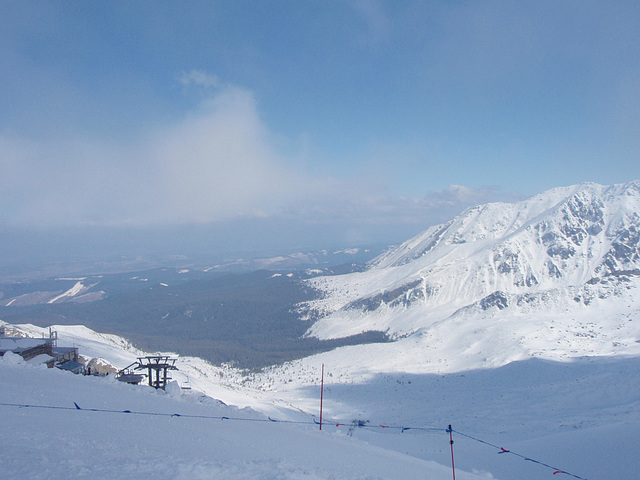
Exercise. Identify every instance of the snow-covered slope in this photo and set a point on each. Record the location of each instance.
(223, 383)
(80, 292)
(554, 276)
(129, 432)
(580, 417)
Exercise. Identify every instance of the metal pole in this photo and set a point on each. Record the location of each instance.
(453, 468)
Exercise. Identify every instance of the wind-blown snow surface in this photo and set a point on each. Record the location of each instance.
(581, 416)
(139, 432)
(61, 443)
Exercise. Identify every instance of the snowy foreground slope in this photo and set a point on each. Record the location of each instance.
(150, 441)
(581, 417)
(57, 425)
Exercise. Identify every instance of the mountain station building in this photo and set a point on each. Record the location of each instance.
(42, 350)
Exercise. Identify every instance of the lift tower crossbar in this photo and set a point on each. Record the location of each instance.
(157, 367)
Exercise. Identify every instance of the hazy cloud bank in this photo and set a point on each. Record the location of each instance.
(213, 163)
(209, 183)
(216, 162)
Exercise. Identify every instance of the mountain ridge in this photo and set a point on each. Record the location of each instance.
(570, 252)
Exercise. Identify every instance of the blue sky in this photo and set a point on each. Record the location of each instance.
(367, 119)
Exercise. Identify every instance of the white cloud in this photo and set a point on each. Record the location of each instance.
(356, 202)
(217, 162)
(198, 78)
(459, 195)
(212, 164)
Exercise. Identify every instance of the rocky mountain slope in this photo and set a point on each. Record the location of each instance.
(559, 272)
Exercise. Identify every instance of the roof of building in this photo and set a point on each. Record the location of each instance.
(70, 366)
(17, 345)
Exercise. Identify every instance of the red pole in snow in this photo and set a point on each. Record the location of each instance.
(321, 394)
(450, 430)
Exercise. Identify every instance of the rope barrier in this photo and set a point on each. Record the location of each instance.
(77, 407)
(502, 450)
(359, 424)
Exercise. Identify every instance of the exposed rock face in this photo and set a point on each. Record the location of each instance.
(564, 247)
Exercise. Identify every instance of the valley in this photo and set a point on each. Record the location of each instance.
(250, 320)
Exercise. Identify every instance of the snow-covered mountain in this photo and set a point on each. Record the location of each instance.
(553, 276)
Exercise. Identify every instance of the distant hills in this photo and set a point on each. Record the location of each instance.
(218, 312)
